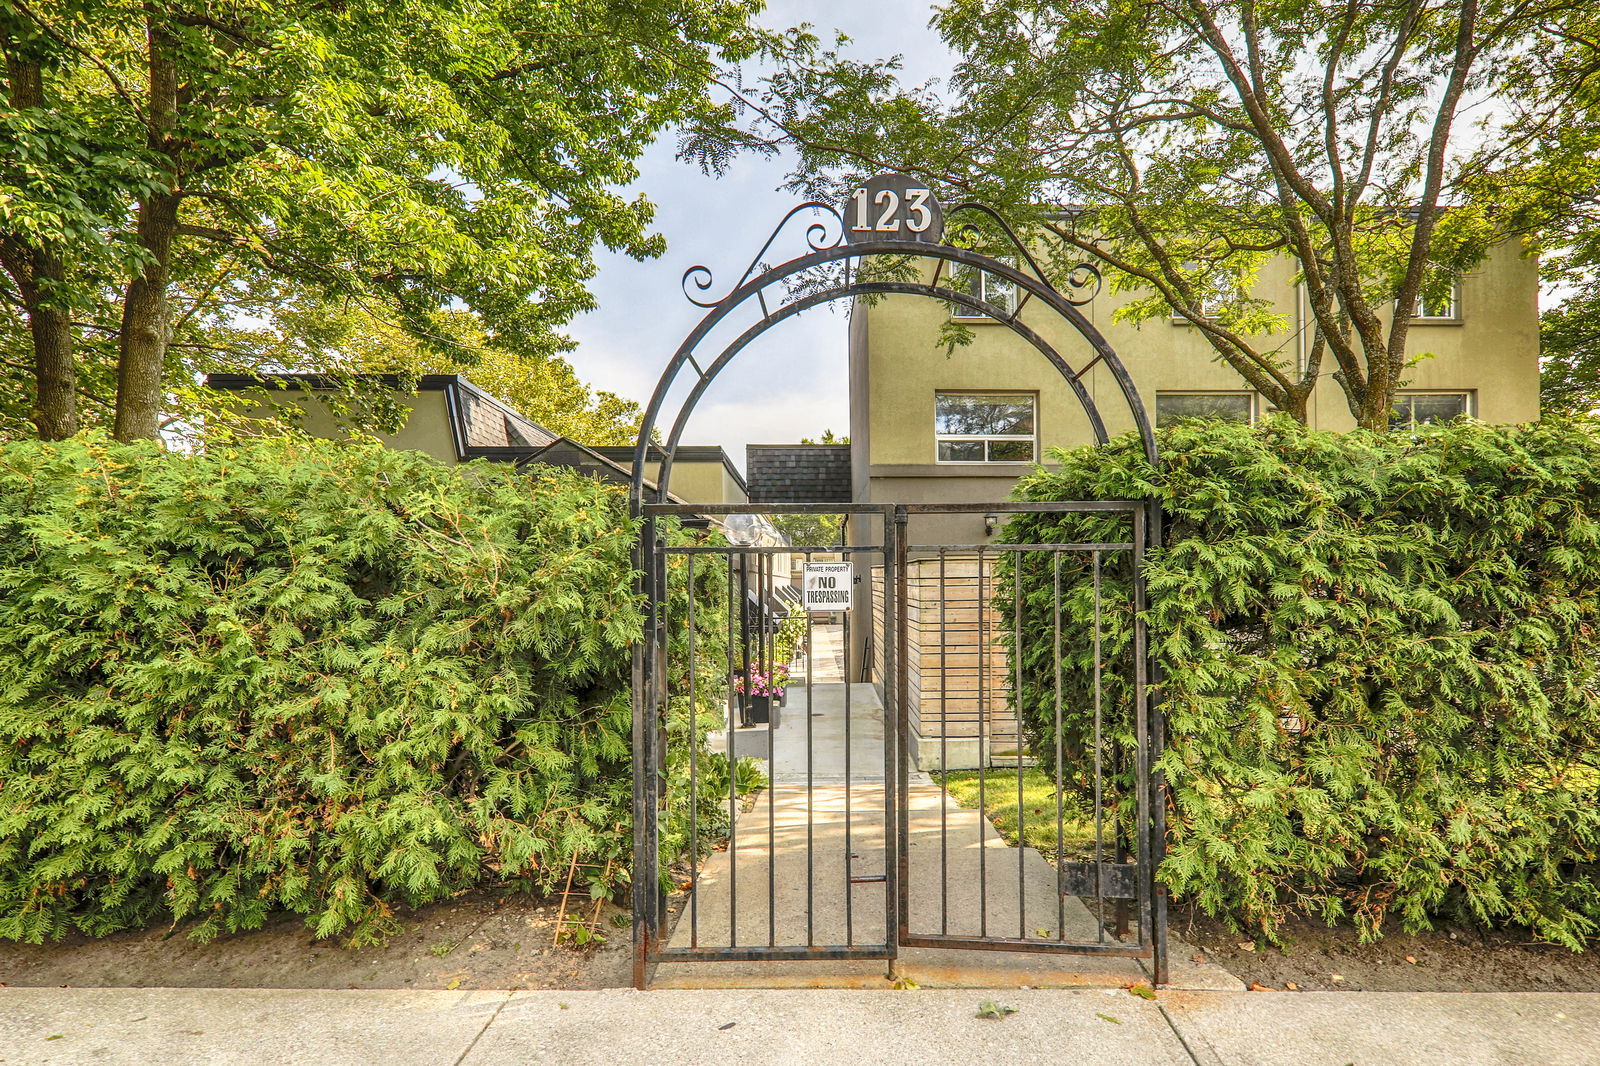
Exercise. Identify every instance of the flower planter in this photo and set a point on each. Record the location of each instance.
(760, 694)
(760, 710)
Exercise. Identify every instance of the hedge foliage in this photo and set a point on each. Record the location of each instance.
(295, 675)
(1382, 658)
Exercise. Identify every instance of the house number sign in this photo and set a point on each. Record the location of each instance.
(893, 207)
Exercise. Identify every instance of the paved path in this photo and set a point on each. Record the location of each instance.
(240, 1027)
(823, 820)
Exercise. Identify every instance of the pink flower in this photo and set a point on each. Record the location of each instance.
(761, 683)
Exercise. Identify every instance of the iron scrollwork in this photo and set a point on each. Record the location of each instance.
(1083, 280)
(819, 238)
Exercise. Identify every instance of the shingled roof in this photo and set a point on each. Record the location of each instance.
(798, 473)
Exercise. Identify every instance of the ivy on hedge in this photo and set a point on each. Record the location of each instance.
(306, 676)
(1382, 667)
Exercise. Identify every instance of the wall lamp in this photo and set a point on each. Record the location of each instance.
(989, 521)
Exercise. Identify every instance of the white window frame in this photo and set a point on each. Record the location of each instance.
(1211, 302)
(1469, 406)
(1419, 312)
(1007, 303)
(1031, 438)
(1251, 395)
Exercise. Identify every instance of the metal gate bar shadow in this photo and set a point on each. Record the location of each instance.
(793, 913)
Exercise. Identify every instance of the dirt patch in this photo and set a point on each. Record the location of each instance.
(476, 941)
(1452, 959)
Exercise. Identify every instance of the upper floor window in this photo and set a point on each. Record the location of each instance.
(1212, 291)
(1414, 408)
(1226, 406)
(972, 427)
(990, 288)
(1442, 307)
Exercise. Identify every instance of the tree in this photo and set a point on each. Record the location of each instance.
(1555, 195)
(1569, 339)
(828, 437)
(315, 335)
(413, 158)
(1184, 143)
(810, 530)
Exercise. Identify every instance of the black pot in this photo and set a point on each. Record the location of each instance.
(758, 709)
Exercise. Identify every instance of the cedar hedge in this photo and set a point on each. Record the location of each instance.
(1382, 667)
(310, 677)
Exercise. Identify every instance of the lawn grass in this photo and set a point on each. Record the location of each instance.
(1038, 805)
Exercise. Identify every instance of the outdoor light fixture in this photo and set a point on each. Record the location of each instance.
(988, 524)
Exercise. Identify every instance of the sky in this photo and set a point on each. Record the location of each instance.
(791, 383)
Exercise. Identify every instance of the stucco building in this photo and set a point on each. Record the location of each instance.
(932, 425)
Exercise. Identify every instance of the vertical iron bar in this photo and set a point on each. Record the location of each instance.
(744, 635)
(1099, 765)
(811, 925)
(763, 594)
(1158, 784)
(1141, 654)
(983, 754)
(1016, 711)
(658, 718)
(735, 615)
(944, 755)
(642, 742)
(1061, 900)
(893, 799)
(849, 846)
(694, 774)
(900, 748)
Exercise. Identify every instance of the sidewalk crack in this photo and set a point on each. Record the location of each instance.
(468, 1049)
(1194, 1051)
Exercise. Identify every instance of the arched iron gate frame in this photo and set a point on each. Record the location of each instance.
(649, 746)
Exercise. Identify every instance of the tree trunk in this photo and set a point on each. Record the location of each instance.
(146, 325)
(1295, 402)
(146, 320)
(41, 281)
(1378, 400)
(55, 410)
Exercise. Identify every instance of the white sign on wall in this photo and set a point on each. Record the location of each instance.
(828, 586)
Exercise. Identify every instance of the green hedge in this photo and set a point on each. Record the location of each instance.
(1382, 659)
(295, 675)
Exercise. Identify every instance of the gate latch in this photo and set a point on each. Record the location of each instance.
(1117, 880)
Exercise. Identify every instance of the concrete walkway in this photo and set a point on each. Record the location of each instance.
(236, 1027)
(800, 868)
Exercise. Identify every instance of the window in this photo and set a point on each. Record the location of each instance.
(1213, 290)
(989, 288)
(984, 427)
(1445, 307)
(1226, 406)
(1412, 409)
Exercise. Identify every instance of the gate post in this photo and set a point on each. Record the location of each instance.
(644, 871)
(1160, 963)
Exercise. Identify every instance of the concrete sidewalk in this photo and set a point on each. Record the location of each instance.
(223, 1027)
(790, 877)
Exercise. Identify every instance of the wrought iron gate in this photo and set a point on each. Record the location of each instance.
(727, 865)
(1083, 727)
(863, 834)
